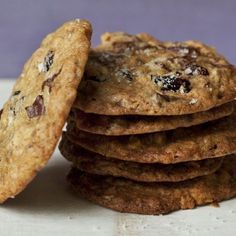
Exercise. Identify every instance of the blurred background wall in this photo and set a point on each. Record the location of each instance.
(23, 23)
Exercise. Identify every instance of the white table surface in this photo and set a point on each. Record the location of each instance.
(48, 207)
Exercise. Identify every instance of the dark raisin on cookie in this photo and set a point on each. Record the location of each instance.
(37, 108)
(172, 83)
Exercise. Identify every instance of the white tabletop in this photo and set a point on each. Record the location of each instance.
(48, 207)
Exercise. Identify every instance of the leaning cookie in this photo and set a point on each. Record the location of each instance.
(127, 125)
(156, 198)
(138, 75)
(33, 117)
(94, 163)
(209, 140)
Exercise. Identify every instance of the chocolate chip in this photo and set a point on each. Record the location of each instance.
(16, 93)
(172, 83)
(196, 70)
(37, 108)
(1, 111)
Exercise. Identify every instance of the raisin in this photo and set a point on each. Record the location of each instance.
(196, 70)
(172, 83)
(37, 108)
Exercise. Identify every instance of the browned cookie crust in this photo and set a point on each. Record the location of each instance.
(96, 164)
(156, 198)
(209, 140)
(127, 125)
(136, 74)
(32, 119)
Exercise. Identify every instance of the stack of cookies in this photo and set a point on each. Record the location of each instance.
(153, 127)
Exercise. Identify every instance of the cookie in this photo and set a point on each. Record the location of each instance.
(33, 117)
(156, 198)
(208, 140)
(126, 125)
(138, 75)
(97, 164)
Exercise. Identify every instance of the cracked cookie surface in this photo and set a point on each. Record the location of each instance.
(136, 74)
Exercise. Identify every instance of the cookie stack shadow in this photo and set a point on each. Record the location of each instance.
(151, 164)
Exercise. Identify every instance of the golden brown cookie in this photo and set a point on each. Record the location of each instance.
(136, 74)
(126, 125)
(33, 117)
(94, 163)
(209, 140)
(156, 198)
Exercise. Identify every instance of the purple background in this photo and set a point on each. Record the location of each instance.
(23, 23)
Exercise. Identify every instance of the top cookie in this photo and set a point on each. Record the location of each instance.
(136, 74)
(32, 119)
